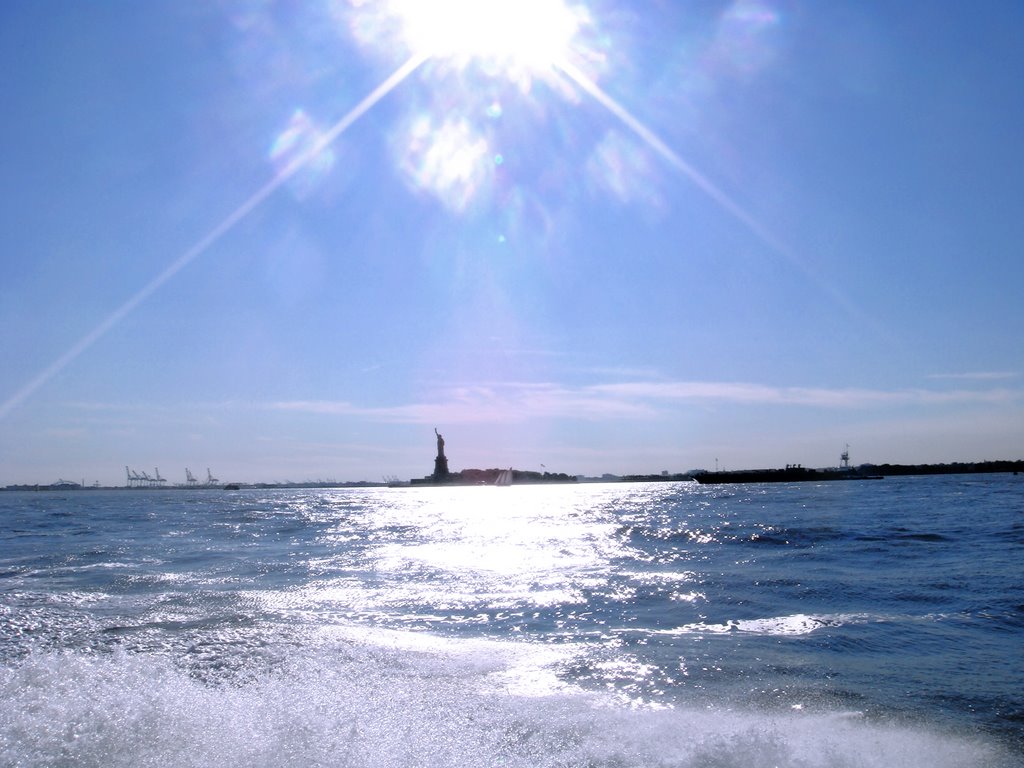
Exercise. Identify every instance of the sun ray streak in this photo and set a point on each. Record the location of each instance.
(668, 154)
(215, 234)
(707, 187)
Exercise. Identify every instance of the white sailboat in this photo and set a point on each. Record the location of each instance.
(504, 477)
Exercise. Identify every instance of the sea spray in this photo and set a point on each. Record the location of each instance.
(355, 705)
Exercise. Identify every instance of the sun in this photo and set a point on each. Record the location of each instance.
(511, 35)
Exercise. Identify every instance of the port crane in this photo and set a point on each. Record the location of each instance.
(190, 479)
(210, 479)
(135, 480)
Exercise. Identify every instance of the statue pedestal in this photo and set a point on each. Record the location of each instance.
(441, 468)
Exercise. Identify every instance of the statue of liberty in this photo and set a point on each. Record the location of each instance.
(441, 462)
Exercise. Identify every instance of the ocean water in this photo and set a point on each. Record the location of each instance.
(835, 624)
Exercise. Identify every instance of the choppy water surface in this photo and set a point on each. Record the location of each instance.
(840, 624)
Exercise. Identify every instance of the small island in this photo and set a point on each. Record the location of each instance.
(443, 476)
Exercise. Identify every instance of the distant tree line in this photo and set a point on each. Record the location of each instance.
(658, 478)
(955, 468)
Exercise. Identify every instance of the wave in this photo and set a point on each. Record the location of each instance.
(795, 624)
(415, 699)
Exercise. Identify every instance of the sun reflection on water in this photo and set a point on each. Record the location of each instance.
(524, 544)
(524, 558)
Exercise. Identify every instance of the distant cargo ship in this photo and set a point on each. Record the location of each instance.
(793, 473)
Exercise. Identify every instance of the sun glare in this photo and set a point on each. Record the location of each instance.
(510, 34)
(449, 147)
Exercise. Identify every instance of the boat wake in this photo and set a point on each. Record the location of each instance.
(409, 699)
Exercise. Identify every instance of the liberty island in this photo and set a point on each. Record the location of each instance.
(442, 476)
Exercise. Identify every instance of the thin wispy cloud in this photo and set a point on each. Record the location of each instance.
(512, 402)
(760, 394)
(977, 376)
(622, 372)
(518, 402)
(487, 404)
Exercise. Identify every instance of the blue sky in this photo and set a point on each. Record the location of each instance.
(597, 237)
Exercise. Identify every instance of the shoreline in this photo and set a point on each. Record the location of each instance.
(472, 477)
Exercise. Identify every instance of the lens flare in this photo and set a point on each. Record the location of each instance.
(296, 163)
(300, 139)
(447, 151)
(448, 158)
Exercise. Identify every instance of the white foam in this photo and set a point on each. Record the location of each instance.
(792, 625)
(349, 704)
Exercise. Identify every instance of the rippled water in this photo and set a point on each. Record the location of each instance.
(840, 624)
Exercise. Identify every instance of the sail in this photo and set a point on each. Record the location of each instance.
(504, 477)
